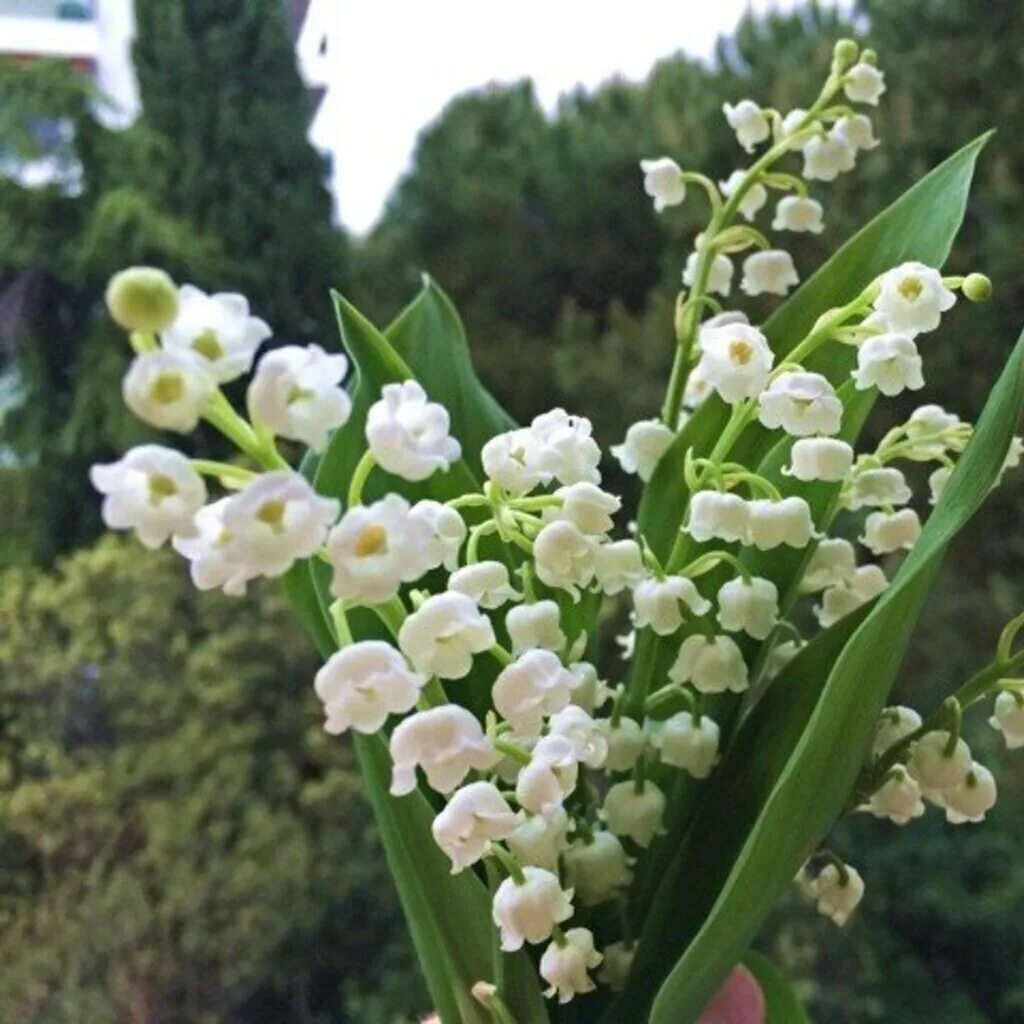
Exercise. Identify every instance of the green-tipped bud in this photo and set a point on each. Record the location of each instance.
(869, 57)
(977, 288)
(142, 299)
(845, 54)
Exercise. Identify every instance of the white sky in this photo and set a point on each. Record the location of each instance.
(397, 62)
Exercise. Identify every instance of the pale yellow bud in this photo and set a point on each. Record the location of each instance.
(142, 299)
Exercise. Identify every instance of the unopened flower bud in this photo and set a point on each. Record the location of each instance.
(142, 299)
(977, 288)
(844, 54)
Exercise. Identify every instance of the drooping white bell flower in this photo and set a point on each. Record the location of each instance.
(535, 625)
(838, 896)
(447, 742)
(864, 83)
(828, 156)
(820, 458)
(719, 275)
(663, 182)
(444, 528)
(528, 912)
(408, 435)
(442, 635)
(216, 332)
(857, 130)
(748, 121)
(799, 214)
(376, 548)
(1008, 718)
(781, 655)
(564, 557)
(516, 461)
(597, 870)
(736, 361)
(750, 607)
(538, 840)
(591, 691)
(564, 965)
(619, 565)
(789, 126)
(618, 962)
(802, 404)
(711, 664)
(636, 814)
(474, 816)
(898, 798)
(152, 490)
(659, 603)
(717, 516)
(296, 393)
(362, 684)
(912, 298)
(754, 198)
(877, 488)
(587, 507)
(209, 552)
(939, 765)
(588, 739)
(894, 725)
(532, 688)
(626, 742)
(772, 523)
(685, 744)
(167, 390)
(885, 532)
(487, 583)
(769, 273)
(937, 481)
(834, 561)
(567, 446)
(550, 776)
(975, 796)
(643, 447)
(933, 432)
(861, 586)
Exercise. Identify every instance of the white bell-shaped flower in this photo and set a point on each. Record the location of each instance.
(889, 362)
(550, 776)
(535, 625)
(618, 962)
(788, 127)
(717, 516)
(877, 488)
(684, 743)
(564, 557)
(659, 603)
(749, 606)
(864, 83)
(772, 523)
(152, 490)
(565, 965)
(663, 182)
(736, 361)
(597, 869)
(474, 817)
(516, 461)
(828, 156)
(781, 655)
(712, 664)
(973, 798)
(898, 798)
(487, 583)
(587, 507)
(363, 683)
(529, 911)
(769, 273)
(589, 740)
(861, 586)
(591, 691)
(894, 724)
(885, 532)
(442, 635)
(938, 763)
(447, 742)
(637, 814)
(748, 121)
(445, 529)
(643, 447)
(626, 742)
(167, 390)
(296, 393)
(567, 446)
(798, 214)
(618, 566)
(820, 458)
(912, 298)
(754, 198)
(408, 435)
(376, 548)
(532, 688)
(937, 481)
(838, 894)
(210, 555)
(857, 130)
(719, 274)
(933, 432)
(1008, 718)
(216, 332)
(539, 841)
(834, 560)
(801, 404)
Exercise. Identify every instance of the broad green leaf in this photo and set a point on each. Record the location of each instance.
(807, 771)
(781, 1003)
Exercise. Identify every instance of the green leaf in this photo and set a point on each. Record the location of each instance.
(807, 753)
(781, 1003)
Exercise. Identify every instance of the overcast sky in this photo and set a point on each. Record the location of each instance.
(400, 62)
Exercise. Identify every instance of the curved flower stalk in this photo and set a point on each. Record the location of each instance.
(549, 778)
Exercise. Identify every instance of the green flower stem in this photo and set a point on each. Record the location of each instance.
(497, 954)
(342, 632)
(500, 654)
(473, 545)
(707, 562)
(432, 695)
(364, 467)
(392, 614)
(223, 471)
(513, 750)
(509, 863)
(220, 415)
(142, 341)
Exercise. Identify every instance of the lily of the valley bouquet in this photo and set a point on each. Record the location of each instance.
(611, 837)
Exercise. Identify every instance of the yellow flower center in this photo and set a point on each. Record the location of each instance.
(208, 345)
(372, 541)
(160, 487)
(272, 513)
(741, 352)
(910, 288)
(168, 388)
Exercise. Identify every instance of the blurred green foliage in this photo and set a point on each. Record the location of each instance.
(177, 840)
